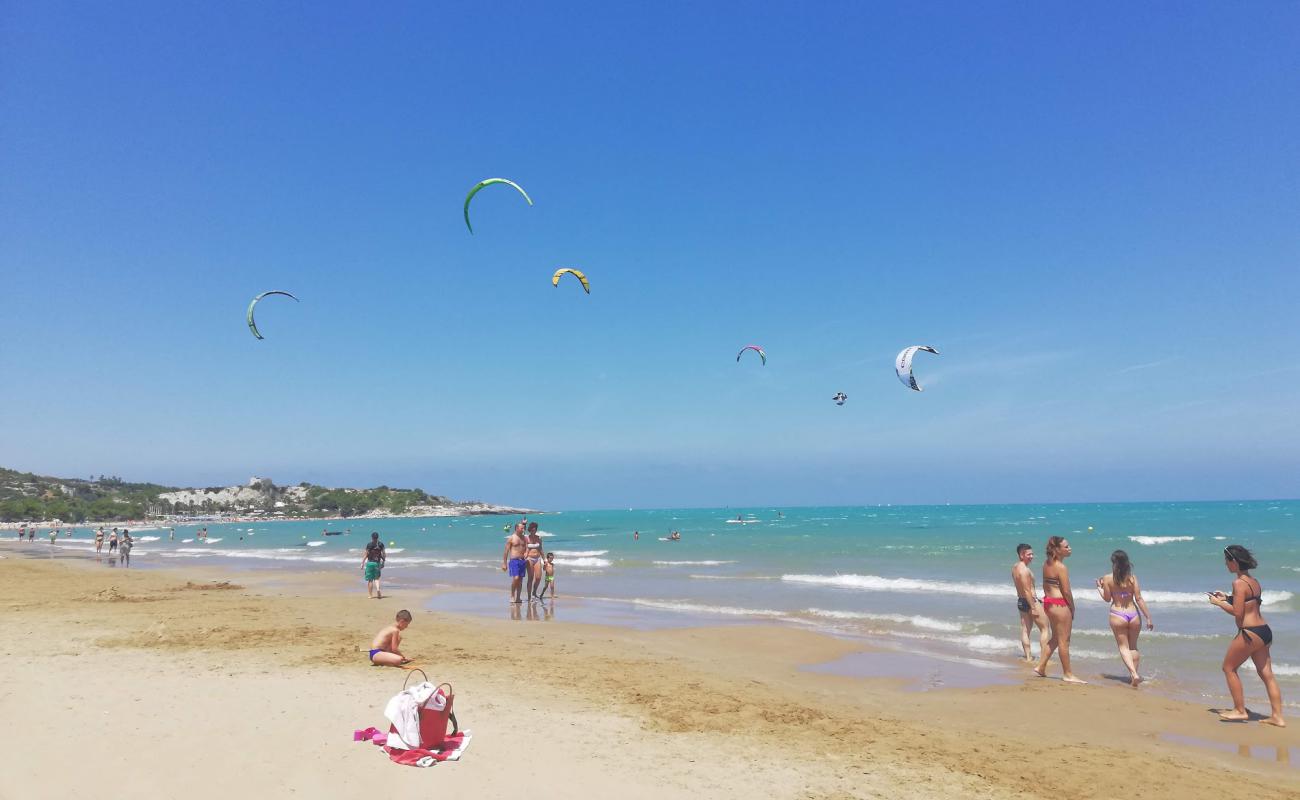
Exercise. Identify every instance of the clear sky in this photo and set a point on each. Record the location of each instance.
(1093, 213)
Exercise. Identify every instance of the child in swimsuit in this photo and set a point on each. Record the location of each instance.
(548, 566)
(385, 650)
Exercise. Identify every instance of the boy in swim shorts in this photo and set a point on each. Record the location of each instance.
(385, 650)
(548, 567)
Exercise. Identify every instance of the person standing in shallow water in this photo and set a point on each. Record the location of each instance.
(512, 561)
(1058, 601)
(373, 563)
(1254, 636)
(1127, 609)
(1031, 611)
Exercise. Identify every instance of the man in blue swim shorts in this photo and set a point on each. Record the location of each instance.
(512, 561)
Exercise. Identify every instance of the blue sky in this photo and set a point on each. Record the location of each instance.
(1094, 215)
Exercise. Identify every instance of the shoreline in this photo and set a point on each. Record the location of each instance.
(656, 713)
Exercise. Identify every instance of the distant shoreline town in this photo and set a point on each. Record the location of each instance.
(26, 498)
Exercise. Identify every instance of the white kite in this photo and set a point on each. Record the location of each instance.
(903, 365)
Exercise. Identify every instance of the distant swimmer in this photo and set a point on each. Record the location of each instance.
(1253, 639)
(674, 536)
(636, 535)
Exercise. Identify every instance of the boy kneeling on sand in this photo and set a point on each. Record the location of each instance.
(385, 650)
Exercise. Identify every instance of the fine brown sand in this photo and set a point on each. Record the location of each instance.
(159, 683)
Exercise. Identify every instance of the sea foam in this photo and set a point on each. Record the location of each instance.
(1148, 541)
(877, 583)
(691, 563)
(916, 621)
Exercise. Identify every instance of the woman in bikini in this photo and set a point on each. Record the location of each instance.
(1253, 638)
(1058, 602)
(534, 560)
(1127, 610)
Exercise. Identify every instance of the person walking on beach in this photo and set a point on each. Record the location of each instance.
(125, 549)
(1254, 636)
(99, 541)
(533, 556)
(112, 541)
(1058, 600)
(512, 561)
(373, 562)
(1127, 610)
(1031, 611)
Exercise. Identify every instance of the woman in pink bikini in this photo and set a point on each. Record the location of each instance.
(1120, 589)
(1058, 602)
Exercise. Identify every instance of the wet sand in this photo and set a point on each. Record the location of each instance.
(135, 683)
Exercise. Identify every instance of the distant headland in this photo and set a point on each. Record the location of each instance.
(25, 497)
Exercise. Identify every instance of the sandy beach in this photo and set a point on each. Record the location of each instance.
(206, 682)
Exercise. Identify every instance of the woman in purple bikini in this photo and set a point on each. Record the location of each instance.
(1120, 589)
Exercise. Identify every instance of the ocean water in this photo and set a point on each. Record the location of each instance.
(920, 579)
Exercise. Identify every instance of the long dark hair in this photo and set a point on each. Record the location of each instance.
(1235, 552)
(1054, 548)
(1121, 569)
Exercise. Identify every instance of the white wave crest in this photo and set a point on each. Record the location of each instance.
(585, 562)
(692, 563)
(1271, 597)
(877, 583)
(1285, 669)
(1145, 634)
(579, 553)
(697, 608)
(916, 621)
(1148, 541)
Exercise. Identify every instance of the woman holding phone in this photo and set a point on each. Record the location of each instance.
(1254, 636)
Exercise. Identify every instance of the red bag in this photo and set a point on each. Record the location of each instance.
(433, 723)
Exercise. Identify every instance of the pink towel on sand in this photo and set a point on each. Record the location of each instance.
(451, 749)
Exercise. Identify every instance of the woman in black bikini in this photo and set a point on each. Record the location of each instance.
(1253, 636)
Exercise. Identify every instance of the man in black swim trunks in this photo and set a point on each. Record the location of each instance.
(1027, 603)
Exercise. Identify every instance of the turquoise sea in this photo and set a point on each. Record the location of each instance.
(927, 579)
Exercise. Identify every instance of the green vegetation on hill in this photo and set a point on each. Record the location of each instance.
(24, 496)
(351, 502)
